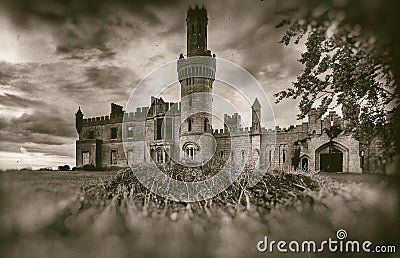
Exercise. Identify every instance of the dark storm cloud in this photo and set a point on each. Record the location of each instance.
(42, 131)
(47, 122)
(261, 48)
(57, 11)
(109, 77)
(12, 100)
(74, 42)
(37, 84)
(86, 29)
(48, 96)
(100, 84)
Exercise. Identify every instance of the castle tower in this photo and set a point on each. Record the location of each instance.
(196, 74)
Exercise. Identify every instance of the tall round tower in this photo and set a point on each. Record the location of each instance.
(196, 74)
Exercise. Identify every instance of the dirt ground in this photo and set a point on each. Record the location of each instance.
(33, 205)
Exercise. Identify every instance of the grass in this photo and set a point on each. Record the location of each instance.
(48, 214)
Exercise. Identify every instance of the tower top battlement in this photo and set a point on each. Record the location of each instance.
(196, 28)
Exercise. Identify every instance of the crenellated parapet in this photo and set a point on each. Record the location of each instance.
(198, 66)
(231, 132)
(102, 120)
(138, 115)
(332, 119)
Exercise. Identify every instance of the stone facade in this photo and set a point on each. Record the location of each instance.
(176, 131)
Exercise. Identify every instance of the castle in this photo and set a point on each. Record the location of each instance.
(166, 132)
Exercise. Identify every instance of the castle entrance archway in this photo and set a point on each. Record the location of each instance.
(331, 157)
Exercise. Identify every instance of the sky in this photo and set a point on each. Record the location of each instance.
(58, 55)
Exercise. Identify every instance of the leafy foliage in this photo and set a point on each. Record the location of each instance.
(350, 61)
(333, 131)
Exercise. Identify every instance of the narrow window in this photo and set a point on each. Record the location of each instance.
(243, 155)
(190, 100)
(283, 156)
(113, 160)
(130, 156)
(269, 156)
(190, 121)
(114, 133)
(168, 129)
(160, 157)
(221, 154)
(205, 124)
(85, 157)
(159, 128)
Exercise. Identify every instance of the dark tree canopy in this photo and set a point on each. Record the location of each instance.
(351, 60)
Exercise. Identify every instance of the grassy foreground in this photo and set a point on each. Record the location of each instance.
(46, 214)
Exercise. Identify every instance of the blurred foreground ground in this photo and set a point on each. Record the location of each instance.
(33, 221)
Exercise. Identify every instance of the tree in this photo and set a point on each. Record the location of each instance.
(296, 158)
(351, 60)
(64, 168)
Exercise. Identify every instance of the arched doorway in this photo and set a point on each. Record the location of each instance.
(332, 157)
(304, 163)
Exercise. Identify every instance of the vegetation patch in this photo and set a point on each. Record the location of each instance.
(273, 188)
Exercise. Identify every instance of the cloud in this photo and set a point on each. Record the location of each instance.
(48, 121)
(12, 100)
(109, 77)
(87, 29)
(57, 11)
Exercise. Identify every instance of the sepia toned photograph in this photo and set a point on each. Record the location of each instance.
(230, 128)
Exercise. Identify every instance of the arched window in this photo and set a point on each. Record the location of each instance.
(190, 151)
(160, 155)
(205, 124)
(190, 121)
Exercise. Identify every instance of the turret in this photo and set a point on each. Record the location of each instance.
(256, 116)
(116, 110)
(79, 120)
